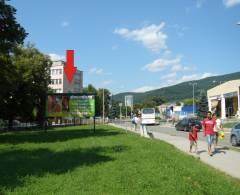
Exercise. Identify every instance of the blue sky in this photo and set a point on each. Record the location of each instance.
(137, 45)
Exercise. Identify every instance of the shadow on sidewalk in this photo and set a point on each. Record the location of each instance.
(201, 151)
(220, 150)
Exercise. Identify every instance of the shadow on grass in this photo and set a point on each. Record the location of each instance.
(17, 164)
(53, 135)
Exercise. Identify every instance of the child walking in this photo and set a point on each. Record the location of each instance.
(193, 136)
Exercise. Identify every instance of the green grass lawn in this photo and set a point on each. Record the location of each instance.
(73, 160)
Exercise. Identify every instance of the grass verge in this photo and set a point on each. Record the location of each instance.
(74, 160)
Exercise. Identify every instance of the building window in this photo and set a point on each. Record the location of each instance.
(78, 77)
(60, 81)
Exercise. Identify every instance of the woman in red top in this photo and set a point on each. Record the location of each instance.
(208, 125)
(193, 136)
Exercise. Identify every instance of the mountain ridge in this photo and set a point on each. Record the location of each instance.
(179, 91)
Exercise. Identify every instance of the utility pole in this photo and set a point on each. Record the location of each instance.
(103, 108)
(126, 111)
(120, 105)
(193, 84)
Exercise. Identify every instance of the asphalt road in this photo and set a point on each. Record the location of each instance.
(170, 130)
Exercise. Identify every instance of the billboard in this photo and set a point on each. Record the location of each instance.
(70, 105)
(129, 101)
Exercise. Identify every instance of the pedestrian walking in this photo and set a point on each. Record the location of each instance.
(208, 125)
(217, 128)
(135, 121)
(193, 137)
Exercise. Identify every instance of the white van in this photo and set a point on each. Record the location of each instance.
(148, 116)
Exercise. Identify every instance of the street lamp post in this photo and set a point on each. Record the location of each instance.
(120, 105)
(193, 84)
(103, 108)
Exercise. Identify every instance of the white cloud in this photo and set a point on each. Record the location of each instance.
(176, 67)
(150, 36)
(161, 63)
(195, 77)
(144, 88)
(56, 57)
(189, 77)
(95, 70)
(207, 74)
(107, 82)
(231, 3)
(169, 76)
(171, 82)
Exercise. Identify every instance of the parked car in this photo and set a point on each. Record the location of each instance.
(235, 135)
(185, 124)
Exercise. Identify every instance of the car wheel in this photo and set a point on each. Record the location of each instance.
(234, 140)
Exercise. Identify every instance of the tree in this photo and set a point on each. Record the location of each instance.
(149, 104)
(12, 34)
(158, 100)
(202, 106)
(114, 110)
(178, 103)
(90, 89)
(31, 77)
(137, 107)
(99, 108)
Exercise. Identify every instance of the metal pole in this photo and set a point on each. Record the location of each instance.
(193, 101)
(193, 84)
(103, 108)
(126, 112)
(120, 112)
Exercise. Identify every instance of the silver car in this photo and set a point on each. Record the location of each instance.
(235, 135)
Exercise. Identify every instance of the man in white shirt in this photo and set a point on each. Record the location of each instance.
(218, 127)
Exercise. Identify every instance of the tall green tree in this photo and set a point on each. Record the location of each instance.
(11, 32)
(202, 105)
(99, 99)
(31, 70)
(99, 109)
(11, 35)
(158, 100)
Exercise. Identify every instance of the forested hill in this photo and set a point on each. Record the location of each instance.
(180, 91)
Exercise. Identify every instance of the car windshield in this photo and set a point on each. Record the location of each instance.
(148, 111)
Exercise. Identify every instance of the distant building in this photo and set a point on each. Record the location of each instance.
(59, 82)
(224, 99)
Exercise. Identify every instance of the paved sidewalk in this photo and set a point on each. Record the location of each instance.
(223, 159)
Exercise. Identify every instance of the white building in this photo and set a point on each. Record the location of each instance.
(224, 99)
(59, 82)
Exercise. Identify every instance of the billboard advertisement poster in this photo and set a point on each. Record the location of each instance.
(129, 101)
(68, 105)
